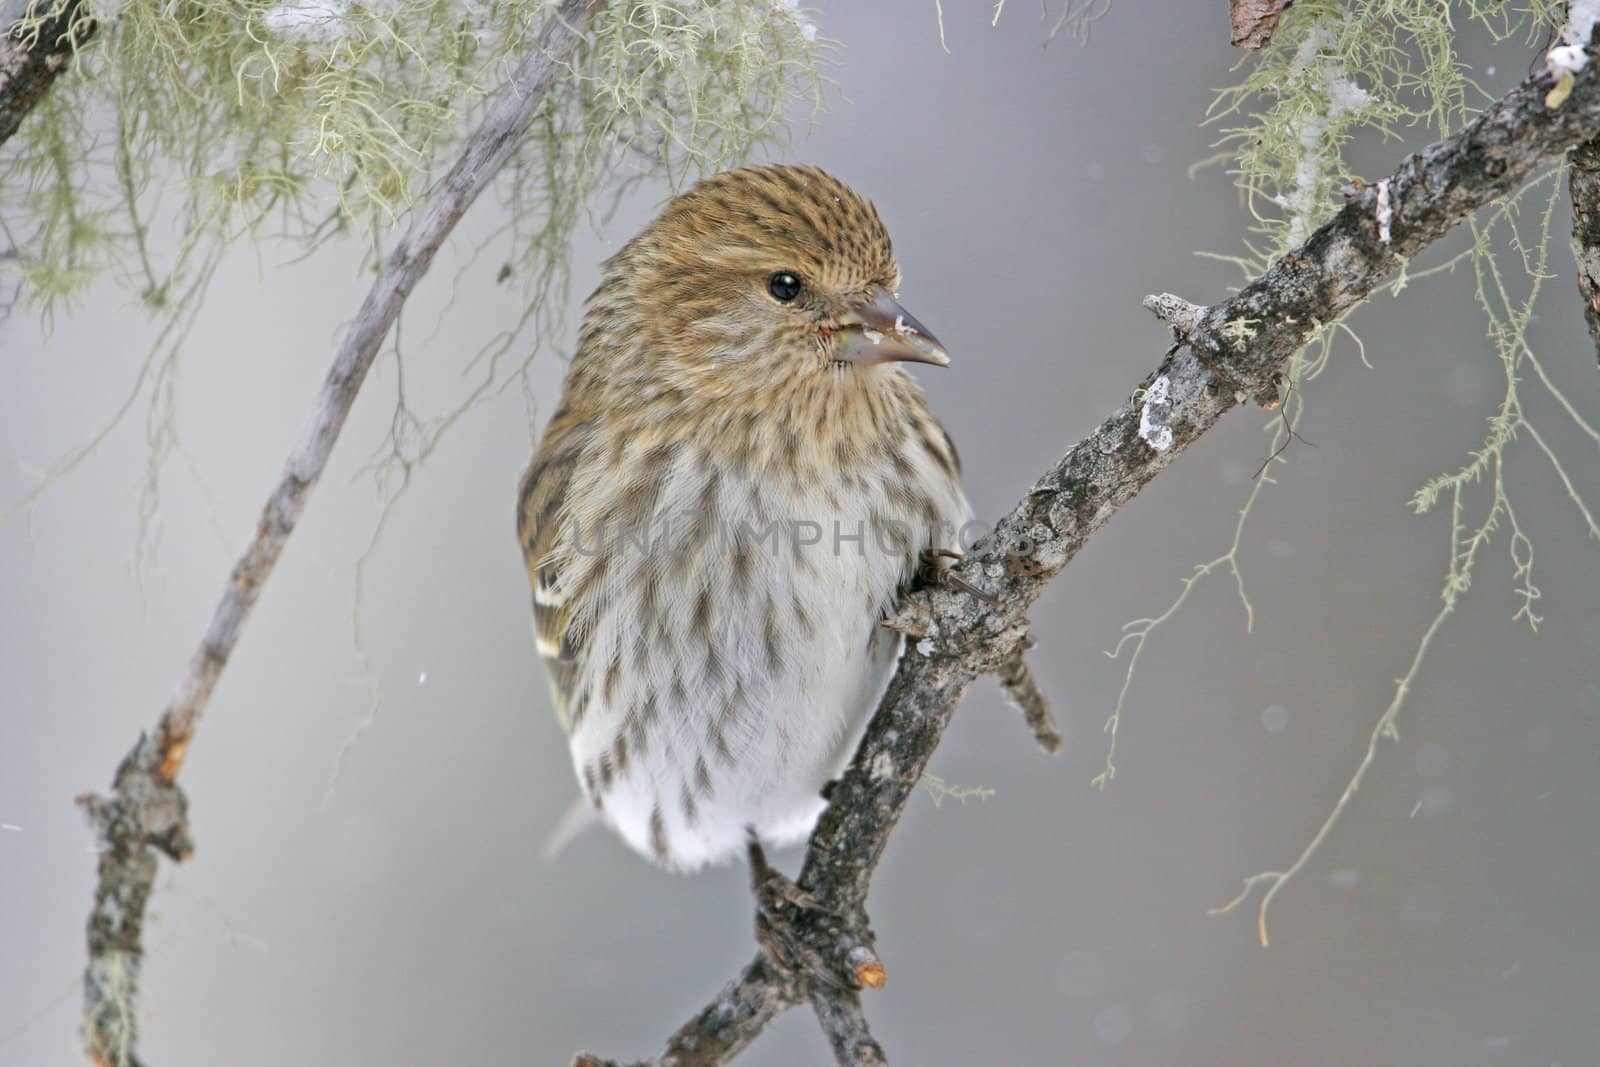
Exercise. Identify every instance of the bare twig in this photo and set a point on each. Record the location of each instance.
(1023, 690)
(31, 56)
(146, 811)
(954, 638)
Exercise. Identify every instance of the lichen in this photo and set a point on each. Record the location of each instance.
(1155, 408)
(1240, 330)
(940, 790)
(111, 1022)
(293, 109)
(186, 126)
(1333, 70)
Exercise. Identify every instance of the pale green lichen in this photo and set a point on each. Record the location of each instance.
(1471, 531)
(186, 125)
(315, 105)
(1239, 331)
(940, 790)
(1332, 71)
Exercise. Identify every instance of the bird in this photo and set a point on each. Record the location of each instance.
(739, 479)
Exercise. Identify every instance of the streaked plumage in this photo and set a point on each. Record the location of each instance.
(710, 675)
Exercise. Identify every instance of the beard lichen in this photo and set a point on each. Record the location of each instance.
(287, 110)
(1332, 72)
(186, 126)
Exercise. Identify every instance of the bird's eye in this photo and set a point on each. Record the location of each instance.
(784, 286)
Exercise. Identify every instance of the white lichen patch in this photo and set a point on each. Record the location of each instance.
(1153, 428)
(1568, 58)
(882, 766)
(1385, 212)
(1175, 311)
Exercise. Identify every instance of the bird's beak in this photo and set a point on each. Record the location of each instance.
(881, 330)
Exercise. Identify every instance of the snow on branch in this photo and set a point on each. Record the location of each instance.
(1569, 57)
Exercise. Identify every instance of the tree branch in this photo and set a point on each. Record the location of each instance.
(1023, 690)
(1583, 180)
(146, 812)
(32, 57)
(1227, 353)
(1253, 22)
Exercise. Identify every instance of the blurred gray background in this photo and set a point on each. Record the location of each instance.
(1034, 197)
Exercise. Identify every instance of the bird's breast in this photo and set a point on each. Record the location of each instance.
(730, 639)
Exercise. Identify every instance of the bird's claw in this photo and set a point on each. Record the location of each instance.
(968, 588)
(936, 571)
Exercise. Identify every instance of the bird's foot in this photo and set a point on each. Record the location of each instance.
(935, 570)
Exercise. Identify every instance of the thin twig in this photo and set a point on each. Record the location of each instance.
(146, 812)
(1016, 677)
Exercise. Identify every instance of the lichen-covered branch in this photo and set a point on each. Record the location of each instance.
(145, 813)
(1583, 179)
(1584, 171)
(955, 637)
(32, 54)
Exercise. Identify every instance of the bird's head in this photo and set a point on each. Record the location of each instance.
(767, 271)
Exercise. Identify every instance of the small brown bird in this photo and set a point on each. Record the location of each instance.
(738, 480)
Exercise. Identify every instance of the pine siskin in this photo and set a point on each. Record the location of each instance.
(737, 482)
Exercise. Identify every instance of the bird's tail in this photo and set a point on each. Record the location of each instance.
(578, 818)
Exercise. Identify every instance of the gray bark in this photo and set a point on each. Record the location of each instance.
(1583, 181)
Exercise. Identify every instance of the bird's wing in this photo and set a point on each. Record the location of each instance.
(541, 503)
